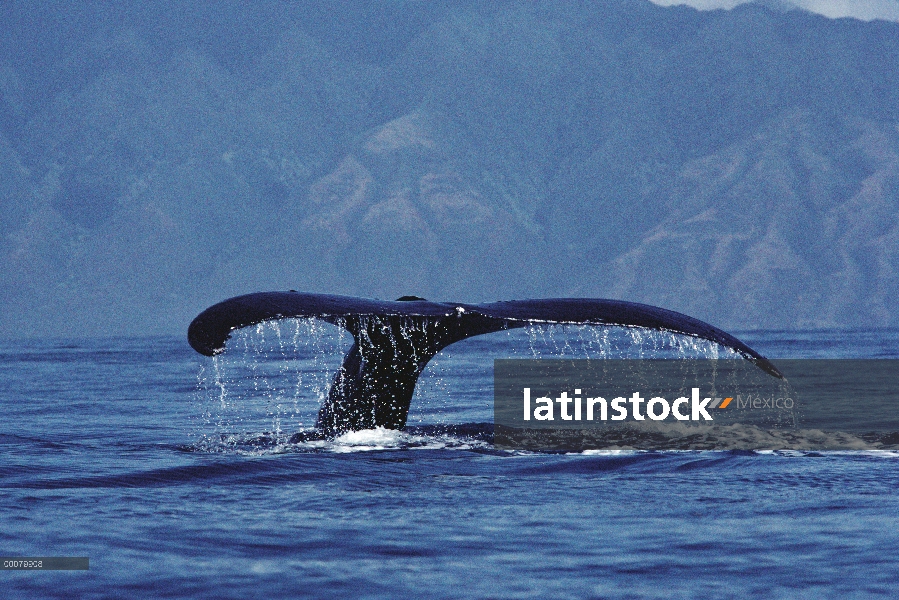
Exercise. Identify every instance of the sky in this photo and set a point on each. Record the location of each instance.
(867, 10)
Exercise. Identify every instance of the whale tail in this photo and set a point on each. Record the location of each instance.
(393, 341)
(375, 383)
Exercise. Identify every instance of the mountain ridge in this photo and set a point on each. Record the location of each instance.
(740, 166)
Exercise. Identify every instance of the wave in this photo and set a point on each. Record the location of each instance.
(266, 459)
(484, 437)
(470, 436)
(662, 437)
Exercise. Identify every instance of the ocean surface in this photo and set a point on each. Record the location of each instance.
(183, 476)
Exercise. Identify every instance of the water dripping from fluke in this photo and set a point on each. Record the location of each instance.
(393, 341)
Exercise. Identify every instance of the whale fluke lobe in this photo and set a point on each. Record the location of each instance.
(395, 340)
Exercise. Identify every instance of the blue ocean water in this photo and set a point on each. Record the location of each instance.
(176, 474)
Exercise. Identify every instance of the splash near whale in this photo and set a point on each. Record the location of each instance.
(394, 340)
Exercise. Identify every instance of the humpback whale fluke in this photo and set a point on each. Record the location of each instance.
(395, 340)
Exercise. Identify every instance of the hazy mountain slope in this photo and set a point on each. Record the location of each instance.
(738, 165)
(785, 229)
